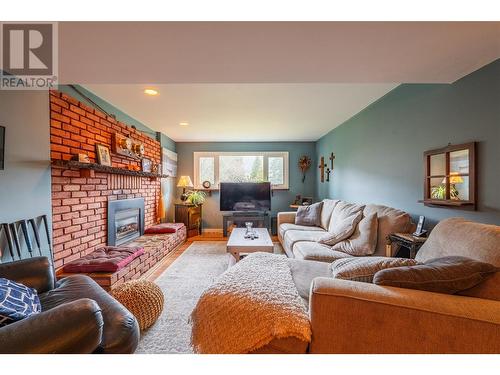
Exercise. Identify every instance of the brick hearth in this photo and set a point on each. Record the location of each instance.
(79, 204)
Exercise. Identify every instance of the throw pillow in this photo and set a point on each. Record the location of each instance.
(364, 239)
(326, 212)
(345, 218)
(164, 228)
(441, 275)
(309, 215)
(364, 268)
(17, 301)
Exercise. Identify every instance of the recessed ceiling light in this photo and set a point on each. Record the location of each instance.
(184, 123)
(151, 92)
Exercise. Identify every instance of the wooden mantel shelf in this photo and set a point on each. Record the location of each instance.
(86, 168)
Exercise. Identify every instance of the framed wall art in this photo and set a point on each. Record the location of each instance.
(103, 155)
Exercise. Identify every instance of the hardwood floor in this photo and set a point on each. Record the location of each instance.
(156, 271)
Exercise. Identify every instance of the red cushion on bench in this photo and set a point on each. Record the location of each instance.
(105, 259)
(164, 228)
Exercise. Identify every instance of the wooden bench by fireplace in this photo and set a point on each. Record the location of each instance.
(156, 247)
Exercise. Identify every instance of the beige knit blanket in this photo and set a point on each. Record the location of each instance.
(248, 306)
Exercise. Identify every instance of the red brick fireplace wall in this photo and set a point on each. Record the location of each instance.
(79, 204)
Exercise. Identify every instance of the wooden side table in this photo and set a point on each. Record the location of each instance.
(407, 240)
(190, 215)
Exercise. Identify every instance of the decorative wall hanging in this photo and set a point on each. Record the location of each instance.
(169, 161)
(127, 146)
(332, 158)
(450, 176)
(304, 164)
(103, 155)
(327, 174)
(322, 166)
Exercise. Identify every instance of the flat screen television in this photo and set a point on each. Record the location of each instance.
(245, 196)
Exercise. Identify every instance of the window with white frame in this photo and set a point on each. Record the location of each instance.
(217, 167)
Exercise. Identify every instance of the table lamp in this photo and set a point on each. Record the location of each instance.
(184, 182)
(455, 178)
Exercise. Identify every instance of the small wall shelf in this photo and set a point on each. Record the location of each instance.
(438, 202)
(87, 169)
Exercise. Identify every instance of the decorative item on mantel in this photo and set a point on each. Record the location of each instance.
(304, 164)
(184, 182)
(81, 158)
(146, 165)
(103, 155)
(127, 146)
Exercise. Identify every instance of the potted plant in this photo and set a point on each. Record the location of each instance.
(195, 197)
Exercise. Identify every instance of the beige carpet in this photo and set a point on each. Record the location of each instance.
(182, 284)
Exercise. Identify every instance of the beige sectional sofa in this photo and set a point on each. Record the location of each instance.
(357, 317)
(300, 242)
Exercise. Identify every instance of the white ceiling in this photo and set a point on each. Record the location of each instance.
(243, 112)
(264, 81)
(274, 52)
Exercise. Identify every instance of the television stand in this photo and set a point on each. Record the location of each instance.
(259, 219)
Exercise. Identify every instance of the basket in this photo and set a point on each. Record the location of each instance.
(143, 299)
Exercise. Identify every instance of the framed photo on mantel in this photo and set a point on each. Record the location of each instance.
(2, 147)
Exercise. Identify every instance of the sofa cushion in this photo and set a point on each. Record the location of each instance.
(364, 268)
(309, 215)
(293, 236)
(326, 212)
(316, 251)
(442, 275)
(104, 259)
(303, 273)
(457, 236)
(345, 218)
(390, 220)
(287, 226)
(164, 228)
(364, 239)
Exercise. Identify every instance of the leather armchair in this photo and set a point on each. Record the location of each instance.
(78, 316)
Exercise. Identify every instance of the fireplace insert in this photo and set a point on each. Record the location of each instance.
(125, 220)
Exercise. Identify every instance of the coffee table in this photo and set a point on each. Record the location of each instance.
(238, 244)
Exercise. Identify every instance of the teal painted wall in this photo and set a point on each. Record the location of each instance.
(281, 199)
(379, 151)
(25, 180)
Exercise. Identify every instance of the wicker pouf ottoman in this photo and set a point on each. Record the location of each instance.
(142, 298)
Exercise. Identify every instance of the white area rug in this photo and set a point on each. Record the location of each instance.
(182, 284)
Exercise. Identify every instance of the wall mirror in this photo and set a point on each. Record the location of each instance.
(450, 176)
